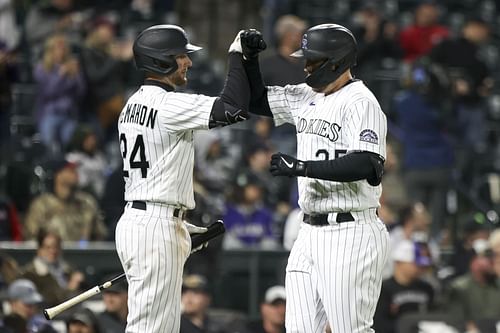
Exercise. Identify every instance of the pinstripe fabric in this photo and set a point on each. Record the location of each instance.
(156, 137)
(152, 250)
(168, 143)
(329, 127)
(334, 273)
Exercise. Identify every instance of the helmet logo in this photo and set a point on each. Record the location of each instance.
(304, 42)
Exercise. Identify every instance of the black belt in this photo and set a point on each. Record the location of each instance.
(322, 219)
(142, 206)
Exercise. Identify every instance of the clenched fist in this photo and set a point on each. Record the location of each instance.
(252, 42)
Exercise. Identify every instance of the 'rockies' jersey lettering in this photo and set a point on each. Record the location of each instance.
(139, 114)
(348, 120)
(319, 127)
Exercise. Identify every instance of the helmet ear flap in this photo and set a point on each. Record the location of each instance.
(168, 65)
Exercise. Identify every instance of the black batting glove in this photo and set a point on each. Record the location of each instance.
(252, 42)
(286, 165)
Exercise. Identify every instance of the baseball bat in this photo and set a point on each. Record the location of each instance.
(213, 230)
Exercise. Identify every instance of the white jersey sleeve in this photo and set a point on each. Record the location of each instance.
(181, 111)
(285, 102)
(367, 127)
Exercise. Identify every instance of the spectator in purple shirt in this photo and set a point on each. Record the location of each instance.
(249, 223)
(60, 88)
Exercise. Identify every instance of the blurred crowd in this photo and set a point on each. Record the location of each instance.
(66, 68)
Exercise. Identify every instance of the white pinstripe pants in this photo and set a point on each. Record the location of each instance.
(153, 247)
(334, 274)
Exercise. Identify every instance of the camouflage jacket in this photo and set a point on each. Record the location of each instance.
(76, 219)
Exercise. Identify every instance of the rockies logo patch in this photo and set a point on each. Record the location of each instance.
(368, 135)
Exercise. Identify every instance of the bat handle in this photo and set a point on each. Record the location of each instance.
(50, 313)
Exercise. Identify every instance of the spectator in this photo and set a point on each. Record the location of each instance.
(463, 252)
(471, 83)
(196, 317)
(55, 279)
(404, 292)
(215, 162)
(276, 191)
(279, 69)
(104, 62)
(249, 223)
(114, 317)
(272, 312)
(46, 18)
(425, 33)
(60, 86)
(427, 150)
(73, 213)
(377, 40)
(413, 225)
(24, 302)
(90, 161)
(83, 321)
(476, 295)
(9, 271)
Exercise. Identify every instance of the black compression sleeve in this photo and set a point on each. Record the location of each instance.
(236, 91)
(233, 103)
(348, 168)
(258, 97)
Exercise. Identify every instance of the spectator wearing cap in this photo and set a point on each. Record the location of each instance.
(475, 296)
(248, 221)
(405, 292)
(196, 300)
(114, 317)
(24, 300)
(74, 214)
(83, 321)
(55, 279)
(272, 311)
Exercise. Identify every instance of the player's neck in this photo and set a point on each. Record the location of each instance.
(163, 79)
(336, 85)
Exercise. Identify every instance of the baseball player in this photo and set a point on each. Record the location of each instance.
(334, 271)
(156, 140)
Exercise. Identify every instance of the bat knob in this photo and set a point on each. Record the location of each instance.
(46, 315)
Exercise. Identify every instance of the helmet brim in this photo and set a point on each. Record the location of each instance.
(192, 48)
(297, 54)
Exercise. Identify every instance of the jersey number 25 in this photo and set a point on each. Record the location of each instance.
(138, 148)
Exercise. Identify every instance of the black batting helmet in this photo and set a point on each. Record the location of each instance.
(156, 47)
(332, 42)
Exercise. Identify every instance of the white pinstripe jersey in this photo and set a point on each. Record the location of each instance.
(156, 140)
(328, 127)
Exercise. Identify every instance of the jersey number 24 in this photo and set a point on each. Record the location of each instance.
(142, 164)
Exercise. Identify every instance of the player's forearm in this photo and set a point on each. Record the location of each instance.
(348, 168)
(258, 92)
(233, 103)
